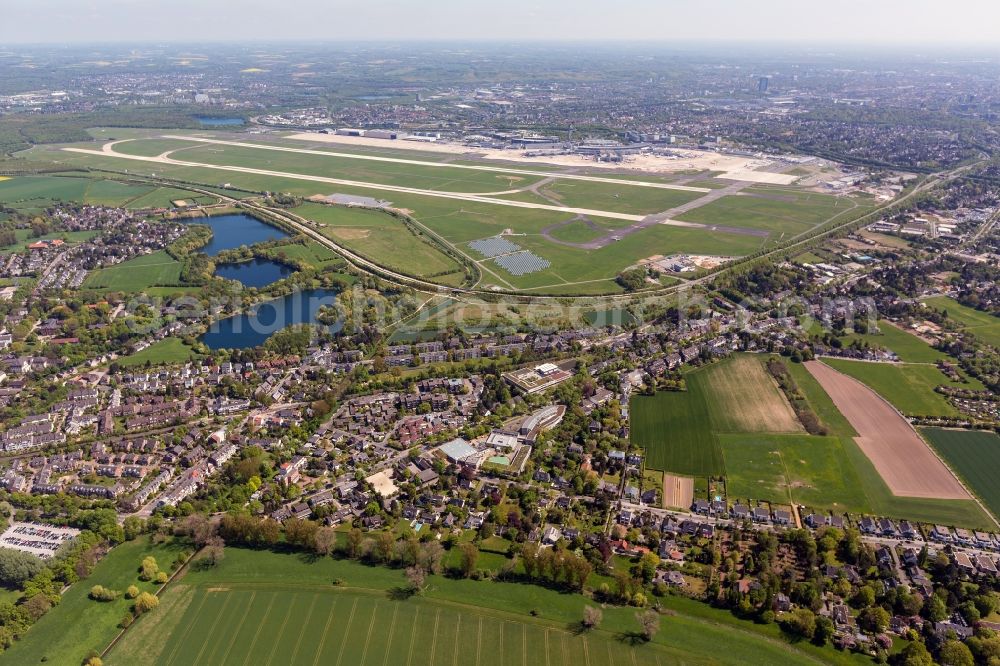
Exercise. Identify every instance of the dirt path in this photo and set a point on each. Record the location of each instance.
(904, 461)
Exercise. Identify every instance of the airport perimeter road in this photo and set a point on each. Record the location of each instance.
(445, 165)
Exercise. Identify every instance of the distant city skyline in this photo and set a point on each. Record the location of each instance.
(910, 22)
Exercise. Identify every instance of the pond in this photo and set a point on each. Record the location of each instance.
(254, 273)
(232, 231)
(252, 328)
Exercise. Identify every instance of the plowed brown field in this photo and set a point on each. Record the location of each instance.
(904, 461)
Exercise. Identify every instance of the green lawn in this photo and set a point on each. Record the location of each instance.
(33, 192)
(150, 270)
(162, 352)
(907, 346)
(67, 633)
(783, 213)
(381, 238)
(675, 430)
(982, 324)
(975, 456)
(619, 198)
(799, 469)
(267, 608)
(909, 387)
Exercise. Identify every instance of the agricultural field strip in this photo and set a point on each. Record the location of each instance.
(904, 460)
(377, 186)
(493, 169)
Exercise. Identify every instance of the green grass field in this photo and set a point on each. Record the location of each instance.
(975, 456)
(162, 197)
(443, 178)
(113, 193)
(267, 608)
(314, 254)
(799, 469)
(67, 633)
(879, 499)
(675, 430)
(620, 198)
(380, 237)
(909, 387)
(907, 346)
(34, 192)
(784, 213)
(981, 324)
(150, 270)
(681, 431)
(162, 352)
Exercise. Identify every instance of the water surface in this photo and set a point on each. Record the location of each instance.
(232, 231)
(252, 328)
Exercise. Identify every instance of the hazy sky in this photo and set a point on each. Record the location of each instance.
(879, 21)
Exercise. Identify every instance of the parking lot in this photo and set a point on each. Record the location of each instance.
(37, 539)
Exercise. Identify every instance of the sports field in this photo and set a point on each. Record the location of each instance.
(982, 324)
(259, 607)
(134, 275)
(975, 456)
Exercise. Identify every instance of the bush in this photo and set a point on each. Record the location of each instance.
(132, 592)
(101, 593)
(145, 602)
(162, 577)
(148, 569)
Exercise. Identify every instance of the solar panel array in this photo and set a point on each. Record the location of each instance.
(522, 263)
(494, 247)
